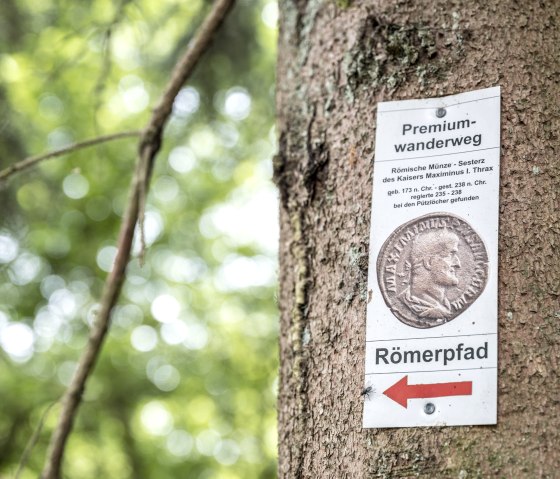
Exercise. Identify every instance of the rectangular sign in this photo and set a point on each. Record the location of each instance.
(431, 338)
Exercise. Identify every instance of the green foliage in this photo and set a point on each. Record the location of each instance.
(343, 3)
(186, 383)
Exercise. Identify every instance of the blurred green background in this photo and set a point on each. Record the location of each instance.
(186, 384)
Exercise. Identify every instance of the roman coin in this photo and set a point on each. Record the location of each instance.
(431, 269)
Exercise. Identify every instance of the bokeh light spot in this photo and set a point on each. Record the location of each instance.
(166, 378)
(8, 248)
(186, 102)
(106, 257)
(227, 452)
(156, 419)
(65, 372)
(24, 269)
(144, 338)
(98, 208)
(207, 441)
(75, 186)
(174, 332)
(166, 189)
(50, 106)
(269, 14)
(179, 443)
(134, 95)
(165, 308)
(181, 159)
(17, 339)
(237, 103)
(197, 337)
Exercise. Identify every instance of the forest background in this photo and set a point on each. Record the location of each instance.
(186, 382)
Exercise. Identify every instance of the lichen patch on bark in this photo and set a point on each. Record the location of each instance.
(389, 54)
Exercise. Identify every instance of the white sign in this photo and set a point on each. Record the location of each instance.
(431, 340)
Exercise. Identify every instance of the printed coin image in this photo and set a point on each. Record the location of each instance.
(431, 269)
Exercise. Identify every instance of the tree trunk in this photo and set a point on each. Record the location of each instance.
(336, 61)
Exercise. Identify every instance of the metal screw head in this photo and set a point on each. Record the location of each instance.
(441, 112)
(429, 408)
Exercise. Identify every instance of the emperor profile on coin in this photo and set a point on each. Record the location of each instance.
(431, 269)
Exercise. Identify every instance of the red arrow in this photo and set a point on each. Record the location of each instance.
(401, 392)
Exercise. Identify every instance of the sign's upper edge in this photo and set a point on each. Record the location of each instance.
(440, 102)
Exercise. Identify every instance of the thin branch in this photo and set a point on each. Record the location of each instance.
(148, 148)
(106, 64)
(33, 440)
(33, 160)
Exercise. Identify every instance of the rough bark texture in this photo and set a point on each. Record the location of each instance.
(337, 59)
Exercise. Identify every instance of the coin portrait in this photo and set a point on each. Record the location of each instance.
(431, 269)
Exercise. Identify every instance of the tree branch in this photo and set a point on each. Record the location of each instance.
(33, 440)
(33, 160)
(148, 148)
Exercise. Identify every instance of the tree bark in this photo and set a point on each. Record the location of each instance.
(336, 61)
